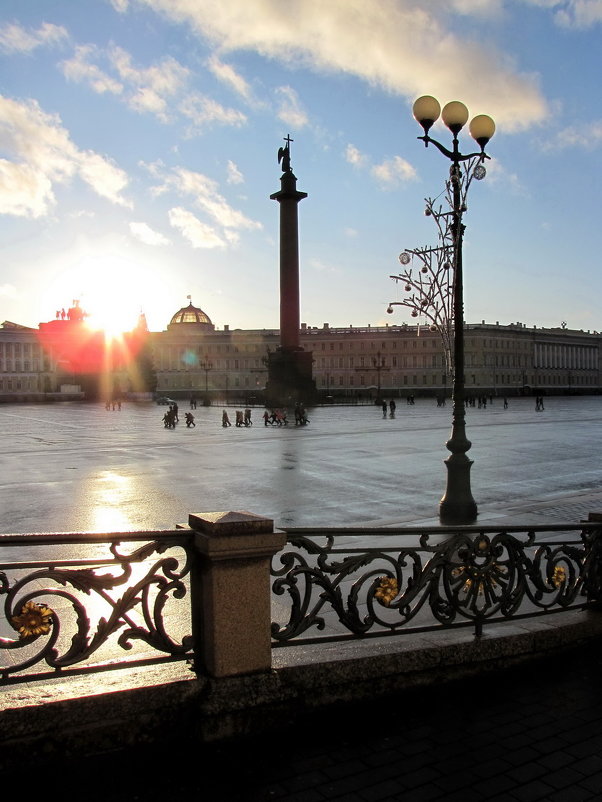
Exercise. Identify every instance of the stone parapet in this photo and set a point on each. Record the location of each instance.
(168, 704)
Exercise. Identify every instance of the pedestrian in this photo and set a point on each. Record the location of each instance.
(247, 420)
(505, 403)
(384, 408)
(266, 418)
(225, 419)
(189, 417)
(392, 407)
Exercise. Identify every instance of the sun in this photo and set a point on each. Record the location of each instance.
(111, 287)
(111, 295)
(111, 315)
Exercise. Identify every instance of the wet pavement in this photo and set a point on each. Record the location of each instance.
(521, 735)
(79, 467)
(530, 733)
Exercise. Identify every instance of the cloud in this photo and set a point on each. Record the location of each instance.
(147, 235)
(322, 267)
(44, 155)
(290, 110)
(161, 89)
(391, 172)
(206, 196)
(479, 8)
(105, 178)
(225, 222)
(203, 111)
(15, 39)
(573, 13)
(150, 87)
(198, 234)
(234, 174)
(354, 156)
(80, 70)
(497, 173)
(228, 76)
(584, 137)
(24, 191)
(406, 47)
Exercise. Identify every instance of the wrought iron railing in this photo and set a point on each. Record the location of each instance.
(76, 603)
(72, 602)
(350, 582)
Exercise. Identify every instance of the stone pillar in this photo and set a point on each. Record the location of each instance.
(290, 323)
(290, 367)
(231, 591)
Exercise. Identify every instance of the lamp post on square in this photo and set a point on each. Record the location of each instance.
(457, 505)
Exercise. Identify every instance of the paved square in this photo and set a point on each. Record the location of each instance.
(79, 467)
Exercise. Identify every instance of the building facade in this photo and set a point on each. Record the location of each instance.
(192, 357)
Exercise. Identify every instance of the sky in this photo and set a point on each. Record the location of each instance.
(139, 141)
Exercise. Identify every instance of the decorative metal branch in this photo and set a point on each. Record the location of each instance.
(430, 284)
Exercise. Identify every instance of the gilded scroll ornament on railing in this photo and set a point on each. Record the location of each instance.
(473, 576)
(65, 614)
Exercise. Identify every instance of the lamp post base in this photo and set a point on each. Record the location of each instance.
(457, 505)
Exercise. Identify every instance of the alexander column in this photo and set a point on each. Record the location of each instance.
(290, 367)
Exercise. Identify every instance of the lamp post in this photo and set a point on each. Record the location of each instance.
(457, 505)
(206, 365)
(378, 363)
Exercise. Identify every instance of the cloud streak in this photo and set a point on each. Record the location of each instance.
(43, 155)
(145, 234)
(16, 39)
(197, 233)
(224, 221)
(161, 89)
(578, 14)
(405, 47)
(389, 174)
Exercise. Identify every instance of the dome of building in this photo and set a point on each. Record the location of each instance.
(191, 315)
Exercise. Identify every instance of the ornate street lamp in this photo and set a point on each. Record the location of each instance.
(378, 363)
(457, 505)
(206, 365)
